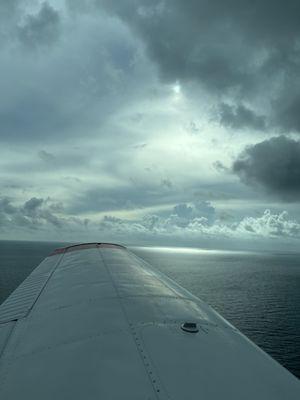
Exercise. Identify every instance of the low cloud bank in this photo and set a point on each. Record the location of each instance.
(35, 215)
(195, 222)
(267, 225)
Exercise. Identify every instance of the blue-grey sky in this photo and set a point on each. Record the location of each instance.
(151, 121)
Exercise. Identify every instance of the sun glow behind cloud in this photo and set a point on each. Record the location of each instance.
(177, 93)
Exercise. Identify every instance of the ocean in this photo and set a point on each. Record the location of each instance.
(259, 293)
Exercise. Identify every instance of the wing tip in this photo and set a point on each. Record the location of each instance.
(83, 246)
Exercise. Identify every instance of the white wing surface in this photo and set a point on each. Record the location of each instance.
(94, 321)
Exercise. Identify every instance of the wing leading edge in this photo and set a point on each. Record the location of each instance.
(95, 321)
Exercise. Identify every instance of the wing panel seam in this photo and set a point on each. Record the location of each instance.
(45, 283)
(156, 389)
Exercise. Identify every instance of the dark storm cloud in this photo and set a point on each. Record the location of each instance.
(46, 156)
(35, 214)
(42, 28)
(36, 211)
(6, 207)
(240, 117)
(238, 48)
(67, 75)
(31, 206)
(288, 115)
(274, 165)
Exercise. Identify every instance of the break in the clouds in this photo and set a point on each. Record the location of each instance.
(162, 120)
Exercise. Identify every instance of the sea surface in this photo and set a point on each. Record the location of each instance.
(259, 293)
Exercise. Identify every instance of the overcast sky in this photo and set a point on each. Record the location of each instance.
(173, 122)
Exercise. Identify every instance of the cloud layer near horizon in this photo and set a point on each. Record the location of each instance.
(193, 224)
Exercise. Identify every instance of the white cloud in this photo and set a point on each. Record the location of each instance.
(267, 225)
(270, 225)
(185, 223)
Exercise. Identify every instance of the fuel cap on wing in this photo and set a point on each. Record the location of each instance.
(190, 327)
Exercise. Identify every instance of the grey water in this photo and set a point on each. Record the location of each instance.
(259, 293)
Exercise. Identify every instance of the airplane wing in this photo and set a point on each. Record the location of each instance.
(94, 321)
